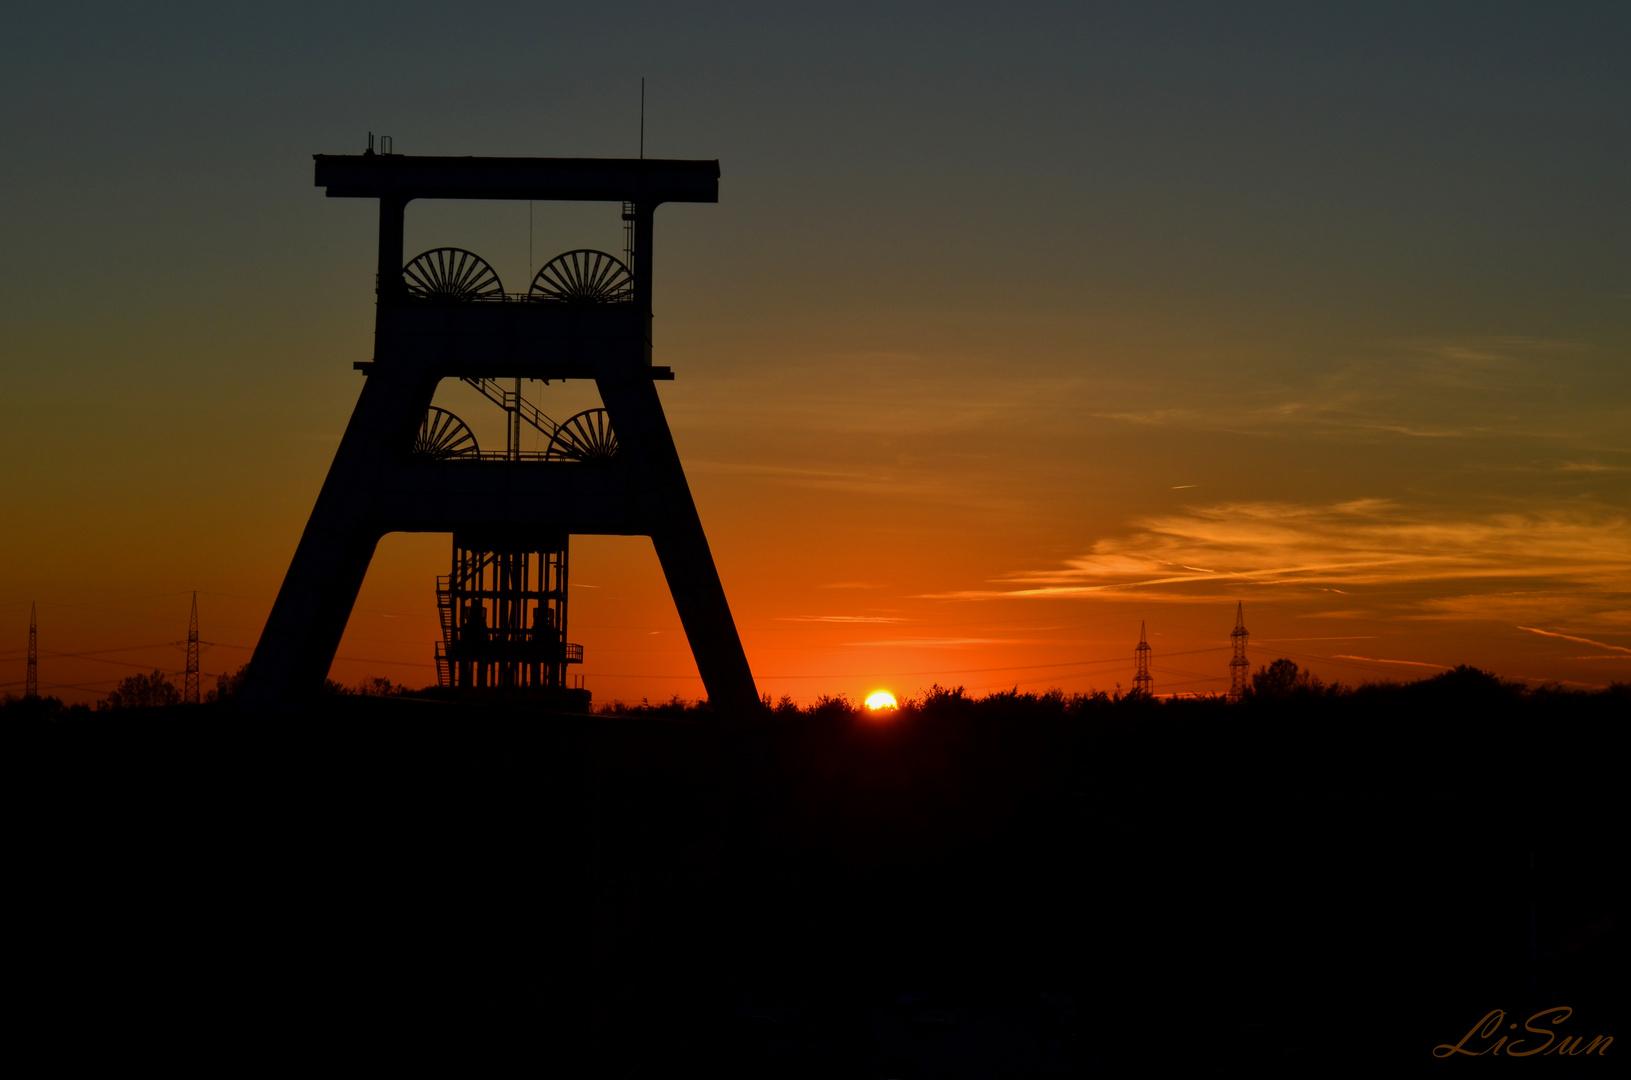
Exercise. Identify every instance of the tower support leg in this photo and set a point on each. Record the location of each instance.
(295, 650)
(682, 546)
(699, 597)
(370, 491)
(307, 621)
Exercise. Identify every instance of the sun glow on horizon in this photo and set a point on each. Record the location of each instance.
(881, 700)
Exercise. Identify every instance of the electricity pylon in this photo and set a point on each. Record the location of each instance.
(1238, 667)
(1143, 681)
(31, 684)
(189, 690)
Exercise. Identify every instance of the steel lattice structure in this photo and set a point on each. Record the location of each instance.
(1238, 666)
(503, 617)
(189, 688)
(1143, 681)
(31, 681)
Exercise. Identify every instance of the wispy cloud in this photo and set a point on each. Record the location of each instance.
(841, 618)
(1380, 660)
(941, 642)
(1372, 545)
(1592, 467)
(1419, 390)
(827, 479)
(739, 468)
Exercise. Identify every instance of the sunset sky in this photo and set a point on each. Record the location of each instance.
(1014, 326)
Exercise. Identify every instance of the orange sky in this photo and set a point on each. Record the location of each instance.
(995, 345)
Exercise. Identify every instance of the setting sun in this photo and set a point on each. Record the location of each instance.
(883, 699)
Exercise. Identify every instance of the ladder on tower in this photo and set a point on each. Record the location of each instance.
(444, 610)
(444, 613)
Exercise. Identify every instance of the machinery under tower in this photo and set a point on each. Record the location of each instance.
(502, 605)
(503, 616)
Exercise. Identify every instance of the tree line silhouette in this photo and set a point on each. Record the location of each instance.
(1027, 884)
(1278, 680)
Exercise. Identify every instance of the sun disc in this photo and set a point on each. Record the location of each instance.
(883, 699)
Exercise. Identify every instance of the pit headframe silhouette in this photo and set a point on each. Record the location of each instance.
(445, 315)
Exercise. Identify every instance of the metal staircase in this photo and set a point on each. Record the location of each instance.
(511, 401)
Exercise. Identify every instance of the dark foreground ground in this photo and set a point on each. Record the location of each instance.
(1306, 887)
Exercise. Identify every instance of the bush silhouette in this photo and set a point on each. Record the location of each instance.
(1282, 679)
(142, 692)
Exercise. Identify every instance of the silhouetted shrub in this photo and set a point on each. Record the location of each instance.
(1282, 679)
(832, 706)
(227, 686)
(142, 692)
(674, 708)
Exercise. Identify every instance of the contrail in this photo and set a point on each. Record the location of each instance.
(1571, 637)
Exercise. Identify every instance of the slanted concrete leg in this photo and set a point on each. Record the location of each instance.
(298, 645)
(682, 547)
(706, 616)
(368, 492)
(296, 648)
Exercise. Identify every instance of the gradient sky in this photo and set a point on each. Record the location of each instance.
(1013, 327)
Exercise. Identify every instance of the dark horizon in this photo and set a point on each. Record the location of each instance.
(1304, 885)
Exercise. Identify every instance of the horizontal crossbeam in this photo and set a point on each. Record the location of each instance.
(647, 181)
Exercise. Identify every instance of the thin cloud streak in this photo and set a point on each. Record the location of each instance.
(1581, 640)
(943, 643)
(840, 618)
(1380, 660)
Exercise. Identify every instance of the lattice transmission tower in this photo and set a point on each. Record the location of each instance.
(189, 688)
(1143, 681)
(31, 683)
(1238, 667)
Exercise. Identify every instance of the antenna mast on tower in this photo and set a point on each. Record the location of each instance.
(31, 684)
(1238, 666)
(189, 688)
(1143, 682)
